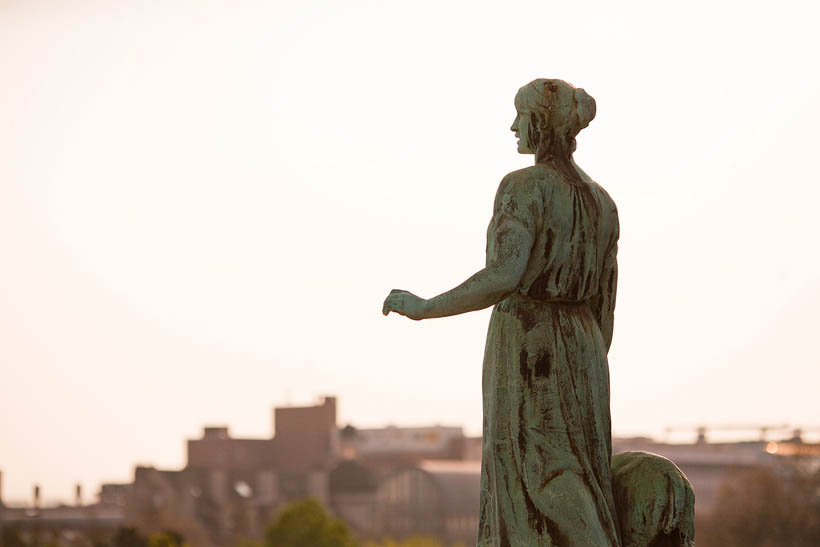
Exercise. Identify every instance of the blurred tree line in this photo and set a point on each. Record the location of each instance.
(125, 537)
(301, 524)
(768, 507)
(306, 524)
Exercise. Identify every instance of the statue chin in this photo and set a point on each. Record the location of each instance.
(654, 500)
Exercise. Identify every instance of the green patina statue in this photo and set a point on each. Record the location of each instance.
(551, 273)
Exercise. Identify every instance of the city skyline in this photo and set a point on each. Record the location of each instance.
(682, 436)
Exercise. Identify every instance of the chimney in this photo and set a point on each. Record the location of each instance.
(329, 404)
(36, 496)
(1, 489)
(216, 432)
(78, 494)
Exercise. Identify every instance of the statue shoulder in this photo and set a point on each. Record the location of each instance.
(521, 176)
(609, 211)
(604, 198)
(519, 192)
(520, 181)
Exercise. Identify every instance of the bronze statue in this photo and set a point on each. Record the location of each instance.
(551, 273)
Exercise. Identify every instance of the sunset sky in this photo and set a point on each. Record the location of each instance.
(203, 205)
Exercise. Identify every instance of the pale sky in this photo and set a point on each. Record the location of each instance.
(203, 205)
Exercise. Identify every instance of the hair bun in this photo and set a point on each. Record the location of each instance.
(585, 107)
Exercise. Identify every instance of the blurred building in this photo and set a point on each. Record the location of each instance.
(353, 496)
(231, 487)
(363, 486)
(60, 525)
(709, 465)
(387, 448)
(438, 498)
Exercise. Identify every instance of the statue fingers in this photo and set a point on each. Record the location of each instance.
(387, 307)
(393, 302)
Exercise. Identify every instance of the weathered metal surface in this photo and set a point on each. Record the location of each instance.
(656, 503)
(551, 275)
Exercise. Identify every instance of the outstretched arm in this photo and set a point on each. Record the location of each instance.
(485, 288)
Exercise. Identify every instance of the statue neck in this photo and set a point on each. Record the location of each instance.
(559, 157)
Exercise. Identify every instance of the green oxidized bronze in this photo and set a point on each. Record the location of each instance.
(551, 273)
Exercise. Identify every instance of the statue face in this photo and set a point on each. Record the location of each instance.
(521, 128)
(525, 102)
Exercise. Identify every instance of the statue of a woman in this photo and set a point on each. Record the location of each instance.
(551, 274)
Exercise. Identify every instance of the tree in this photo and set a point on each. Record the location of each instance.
(129, 537)
(765, 508)
(414, 541)
(306, 524)
(168, 538)
(10, 538)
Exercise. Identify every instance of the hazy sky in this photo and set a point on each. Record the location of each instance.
(203, 205)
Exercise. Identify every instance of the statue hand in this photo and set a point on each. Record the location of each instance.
(405, 303)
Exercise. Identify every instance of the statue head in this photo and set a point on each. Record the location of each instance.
(549, 114)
